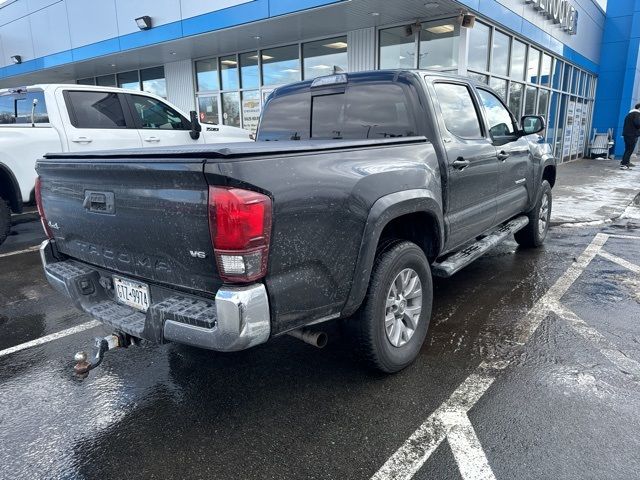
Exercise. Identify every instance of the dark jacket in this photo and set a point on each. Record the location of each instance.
(632, 124)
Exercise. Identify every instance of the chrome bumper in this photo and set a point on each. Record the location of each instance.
(239, 317)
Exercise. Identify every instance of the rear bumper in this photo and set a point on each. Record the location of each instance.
(237, 319)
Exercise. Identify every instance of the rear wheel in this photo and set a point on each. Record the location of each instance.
(535, 233)
(391, 325)
(5, 220)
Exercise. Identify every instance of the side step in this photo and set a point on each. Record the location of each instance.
(461, 259)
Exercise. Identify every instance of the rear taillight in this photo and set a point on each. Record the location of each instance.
(240, 226)
(43, 219)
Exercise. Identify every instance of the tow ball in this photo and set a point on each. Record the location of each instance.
(101, 346)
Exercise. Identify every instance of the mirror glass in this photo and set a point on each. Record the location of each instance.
(532, 124)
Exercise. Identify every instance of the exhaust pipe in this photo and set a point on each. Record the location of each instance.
(312, 337)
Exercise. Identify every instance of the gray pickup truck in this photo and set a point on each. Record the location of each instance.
(359, 188)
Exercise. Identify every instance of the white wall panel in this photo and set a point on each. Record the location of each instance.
(160, 11)
(91, 21)
(13, 11)
(361, 52)
(180, 89)
(43, 23)
(35, 5)
(192, 8)
(16, 40)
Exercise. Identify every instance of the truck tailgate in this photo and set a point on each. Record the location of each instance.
(144, 219)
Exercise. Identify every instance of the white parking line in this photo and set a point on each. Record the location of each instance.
(620, 261)
(18, 252)
(466, 448)
(417, 449)
(49, 338)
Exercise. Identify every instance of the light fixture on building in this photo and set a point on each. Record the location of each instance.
(431, 5)
(17, 59)
(144, 23)
(440, 29)
(229, 62)
(336, 45)
(374, 14)
(467, 20)
(257, 37)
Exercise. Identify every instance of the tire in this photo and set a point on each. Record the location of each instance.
(5, 220)
(383, 332)
(535, 233)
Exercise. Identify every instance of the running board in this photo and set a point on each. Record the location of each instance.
(461, 259)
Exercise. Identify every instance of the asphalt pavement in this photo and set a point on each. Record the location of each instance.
(531, 369)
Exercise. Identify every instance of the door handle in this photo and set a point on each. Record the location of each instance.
(460, 163)
(152, 139)
(502, 156)
(81, 140)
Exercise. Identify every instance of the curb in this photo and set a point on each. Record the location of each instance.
(595, 223)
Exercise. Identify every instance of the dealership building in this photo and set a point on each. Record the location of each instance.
(565, 59)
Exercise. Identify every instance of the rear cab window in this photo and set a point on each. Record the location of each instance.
(17, 108)
(357, 111)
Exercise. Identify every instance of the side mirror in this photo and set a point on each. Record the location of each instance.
(532, 124)
(196, 128)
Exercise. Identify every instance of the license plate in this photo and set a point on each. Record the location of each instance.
(132, 293)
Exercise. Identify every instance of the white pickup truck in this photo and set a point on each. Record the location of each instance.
(73, 118)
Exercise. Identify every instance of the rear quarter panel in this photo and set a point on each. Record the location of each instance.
(321, 203)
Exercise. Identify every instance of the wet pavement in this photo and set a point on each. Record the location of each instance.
(531, 369)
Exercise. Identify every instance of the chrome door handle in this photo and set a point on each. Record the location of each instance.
(81, 140)
(460, 163)
(152, 139)
(502, 156)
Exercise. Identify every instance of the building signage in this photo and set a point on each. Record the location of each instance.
(562, 12)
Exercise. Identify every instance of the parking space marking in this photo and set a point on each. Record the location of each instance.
(49, 338)
(466, 448)
(606, 348)
(620, 261)
(419, 447)
(18, 252)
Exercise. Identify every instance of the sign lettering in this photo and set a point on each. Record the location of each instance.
(561, 12)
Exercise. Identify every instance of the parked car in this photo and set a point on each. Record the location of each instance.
(359, 188)
(78, 118)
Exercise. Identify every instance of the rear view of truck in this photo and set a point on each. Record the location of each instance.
(145, 244)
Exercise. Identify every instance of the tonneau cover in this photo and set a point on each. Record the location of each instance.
(231, 150)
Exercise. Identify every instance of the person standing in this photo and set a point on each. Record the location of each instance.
(630, 133)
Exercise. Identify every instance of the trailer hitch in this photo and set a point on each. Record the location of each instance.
(101, 346)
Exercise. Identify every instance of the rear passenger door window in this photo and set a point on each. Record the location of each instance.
(94, 118)
(458, 110)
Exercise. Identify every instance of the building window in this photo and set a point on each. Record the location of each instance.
(208, 108)
(545, 70)
(207, 75)
(500, 86)
(231, 109)
(515, 98)
(397, 49)
(251, 108)
(106, 81)
(249, 70)
(86, 81)
(518, 58)
(129, 80)
(479, 37)
(533, 69)
(324, 57)
(153, 81)
(438, 47)
(530, 100)
(280, 65)
(500, 54)
(229, 73)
